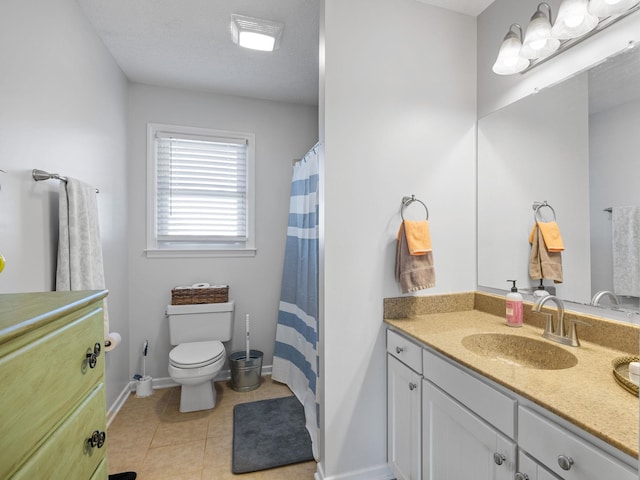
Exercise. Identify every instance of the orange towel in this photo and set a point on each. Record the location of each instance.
(550, 234)
(543, 263)
(413, 272)
(418, 236)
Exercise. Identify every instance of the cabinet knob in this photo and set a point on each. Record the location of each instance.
(97, 439)
(399, 350)
(499, 458)
(565, 462)
(92, 357)
(521, 476)
(412, 386)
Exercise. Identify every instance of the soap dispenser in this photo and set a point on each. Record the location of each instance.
(514, 307)
(540, 292)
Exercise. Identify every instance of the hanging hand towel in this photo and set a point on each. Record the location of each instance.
(625, 222)
(551, 235)
(418, 236)
(79, 246)
(413, 272)
(542, 263)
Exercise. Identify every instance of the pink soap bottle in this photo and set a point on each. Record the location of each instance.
(514, 307)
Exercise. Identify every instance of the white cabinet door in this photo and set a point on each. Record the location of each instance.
(403, 420)
(529, 469)
(457, 445)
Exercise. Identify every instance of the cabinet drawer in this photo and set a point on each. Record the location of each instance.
(547, 442)
(43, 381)
(488, 403)
(101, 472)
(67, 453)
(404, 350)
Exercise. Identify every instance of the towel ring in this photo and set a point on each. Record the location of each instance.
(406, 201)
(537, 206)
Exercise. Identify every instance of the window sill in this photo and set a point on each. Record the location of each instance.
(196, 253)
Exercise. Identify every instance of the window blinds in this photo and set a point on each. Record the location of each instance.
(201, 189)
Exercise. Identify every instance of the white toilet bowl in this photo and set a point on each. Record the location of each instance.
(194, 365)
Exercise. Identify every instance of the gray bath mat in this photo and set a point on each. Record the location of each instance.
(269, 433)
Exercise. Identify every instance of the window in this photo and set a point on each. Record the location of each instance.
(200, 192)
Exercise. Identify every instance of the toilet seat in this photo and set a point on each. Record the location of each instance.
(196, 354)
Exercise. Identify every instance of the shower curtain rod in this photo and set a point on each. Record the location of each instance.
(312, 149)
(39, 175)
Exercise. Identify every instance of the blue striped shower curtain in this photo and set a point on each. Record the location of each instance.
(295, 360)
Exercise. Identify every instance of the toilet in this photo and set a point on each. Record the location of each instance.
(197, 333)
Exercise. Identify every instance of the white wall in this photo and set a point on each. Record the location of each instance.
(496, 91)
(62, 109)
(399, 119)
(283, 132)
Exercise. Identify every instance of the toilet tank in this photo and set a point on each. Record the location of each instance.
(199, 323)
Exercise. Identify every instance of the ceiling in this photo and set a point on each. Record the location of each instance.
(468, 7)
(187, 44)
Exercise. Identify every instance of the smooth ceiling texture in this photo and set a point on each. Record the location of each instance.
(187, 44)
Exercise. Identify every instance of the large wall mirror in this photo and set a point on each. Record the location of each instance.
(575, 145)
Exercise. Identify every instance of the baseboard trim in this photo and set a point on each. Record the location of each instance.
(119, 402)
(380, 472)
(165, 382)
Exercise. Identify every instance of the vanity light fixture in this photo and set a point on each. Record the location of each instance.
(544, 39)
(605, 8)
(509, 60)
(255, 33)
(574, 20)
(538, 42)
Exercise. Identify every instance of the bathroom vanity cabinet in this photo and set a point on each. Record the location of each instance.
(52, 405)
(472, 427)
(404, 400)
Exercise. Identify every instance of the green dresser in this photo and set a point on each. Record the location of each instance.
(52, 392)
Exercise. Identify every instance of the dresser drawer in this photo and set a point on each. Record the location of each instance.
(101, 472)
(404, 350)
(41, 382)
(548, 442)
(66, 454)
(488, 403)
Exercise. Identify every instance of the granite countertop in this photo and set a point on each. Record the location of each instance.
(586, 394)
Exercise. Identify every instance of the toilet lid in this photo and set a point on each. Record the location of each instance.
(196, 354)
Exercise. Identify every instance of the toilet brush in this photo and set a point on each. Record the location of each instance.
(143, 384)
(247, 328)
(145, 351)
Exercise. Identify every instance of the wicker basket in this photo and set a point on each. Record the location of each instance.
(192, 296)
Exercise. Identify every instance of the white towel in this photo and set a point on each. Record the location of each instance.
(626, 250)
(79, 245)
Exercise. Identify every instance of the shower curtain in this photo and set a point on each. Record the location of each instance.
(295, 360)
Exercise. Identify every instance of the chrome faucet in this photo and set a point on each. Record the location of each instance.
(595, 301)
(559, 336)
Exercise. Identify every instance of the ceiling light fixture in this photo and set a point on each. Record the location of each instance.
(544, 39)
(255, 33)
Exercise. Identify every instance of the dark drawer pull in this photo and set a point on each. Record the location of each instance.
(97, 439)
(92, 357)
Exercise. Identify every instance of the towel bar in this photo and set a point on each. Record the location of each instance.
(39, 175)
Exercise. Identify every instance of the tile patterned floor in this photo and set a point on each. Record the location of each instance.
(151, 437)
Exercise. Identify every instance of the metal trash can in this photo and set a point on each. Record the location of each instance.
(246, 373)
